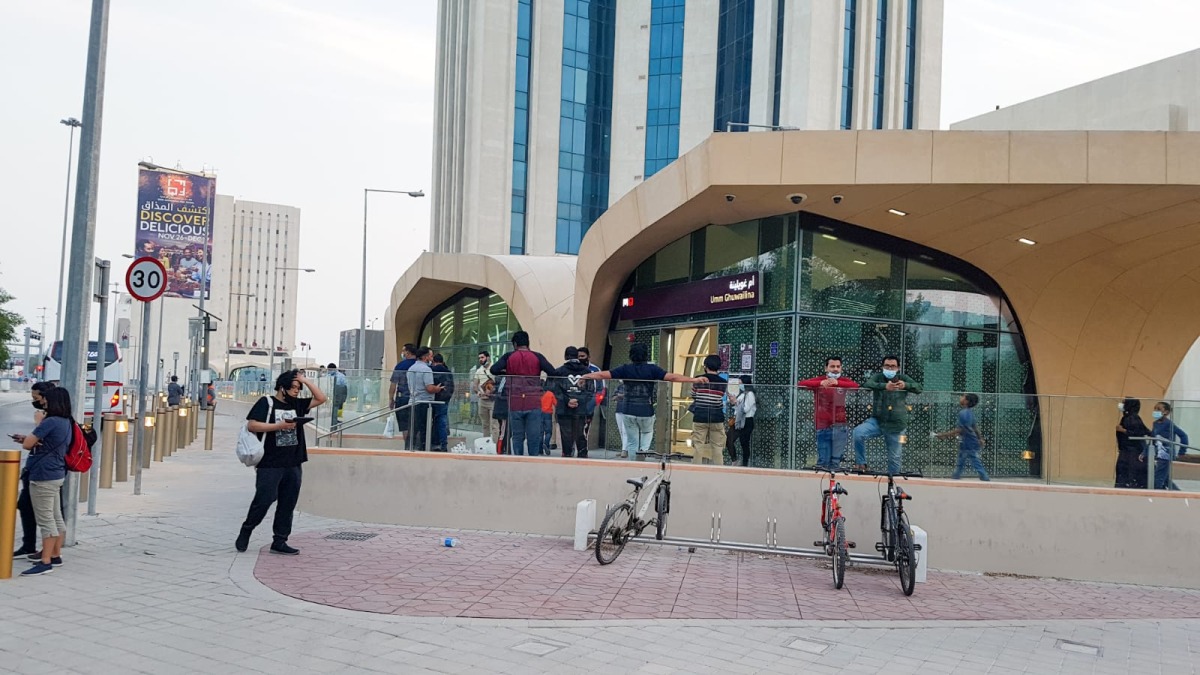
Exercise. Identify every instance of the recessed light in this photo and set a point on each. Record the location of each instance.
(897, 212)
(860, 262)
(1028, 242)
(830, 237)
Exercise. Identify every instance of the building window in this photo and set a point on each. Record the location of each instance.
(467, 323)
(881, 22)
(910, 64)
(520, 171)
(585, 123)
(735, 49)
(779, 7)
(849, 32)
(664, 88)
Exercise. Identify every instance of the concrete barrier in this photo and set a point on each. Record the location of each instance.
(1081, 533)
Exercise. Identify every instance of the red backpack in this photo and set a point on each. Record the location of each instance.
(79, 453)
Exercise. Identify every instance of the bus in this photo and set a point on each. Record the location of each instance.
(113, 377)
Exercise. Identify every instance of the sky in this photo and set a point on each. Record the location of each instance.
(306, 102)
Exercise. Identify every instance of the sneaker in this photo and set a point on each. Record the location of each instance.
(36, 555)
(282, 548)
(40, 568)
(23, 551)
(56, 561)
(243, 541)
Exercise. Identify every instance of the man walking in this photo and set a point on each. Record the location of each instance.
(174, 391)
(889, 413)
(278, 475)
(523, 368)
(483, 387)
(708, 414)
(340, 393)
(829, 411)
(423, 391)
(398, 391)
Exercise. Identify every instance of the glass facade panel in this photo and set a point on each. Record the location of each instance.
(881, 24)
(849, 33)
(778, 65)
(934, 295)
(584, 141)
(735, 42)
(731, 249)
(842, 277)
(467, 323)
(664, 84)
(516, 237)
(910, 64)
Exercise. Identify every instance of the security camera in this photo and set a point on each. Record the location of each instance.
(837, 199)
(797, 197)
(730, 198)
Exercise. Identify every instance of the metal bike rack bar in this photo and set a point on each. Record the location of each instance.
(773, 549)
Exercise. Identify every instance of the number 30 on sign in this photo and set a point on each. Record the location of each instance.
(146, 279)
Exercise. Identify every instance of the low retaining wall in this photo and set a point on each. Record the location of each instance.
(1094, 534)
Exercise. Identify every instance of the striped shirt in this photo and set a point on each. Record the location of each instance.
(708, 397)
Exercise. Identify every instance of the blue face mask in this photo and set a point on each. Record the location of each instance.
(889, 374)
(1157, 414)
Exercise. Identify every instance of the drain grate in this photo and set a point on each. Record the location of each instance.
(352, 536)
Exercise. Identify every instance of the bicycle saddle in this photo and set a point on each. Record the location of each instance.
(636, 482)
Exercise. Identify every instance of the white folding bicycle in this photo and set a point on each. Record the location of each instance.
(626, 520)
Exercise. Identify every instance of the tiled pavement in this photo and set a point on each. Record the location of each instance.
(154, 586)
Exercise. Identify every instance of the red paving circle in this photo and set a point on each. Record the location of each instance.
(407, 571)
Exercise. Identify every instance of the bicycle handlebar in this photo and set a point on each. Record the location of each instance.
(903, 474)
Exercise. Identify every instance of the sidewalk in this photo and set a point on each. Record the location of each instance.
(154, 585)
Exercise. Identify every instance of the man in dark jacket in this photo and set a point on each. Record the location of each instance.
(441, 413)
(889, 413)
(523, 368)
(573, 393)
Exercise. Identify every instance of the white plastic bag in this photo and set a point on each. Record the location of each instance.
(249, 446)
(389, 427)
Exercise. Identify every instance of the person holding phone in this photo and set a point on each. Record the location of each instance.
(278, 422)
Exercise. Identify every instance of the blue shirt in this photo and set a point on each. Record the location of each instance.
(967, 439)
(400, 377)
(47, 461)
(339, 378)
(1165, 428)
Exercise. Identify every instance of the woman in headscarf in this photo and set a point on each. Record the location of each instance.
(1131, 468)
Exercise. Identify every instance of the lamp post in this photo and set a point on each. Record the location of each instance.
(62, 260)
(362, 322)
(275, 310)
(229, 313)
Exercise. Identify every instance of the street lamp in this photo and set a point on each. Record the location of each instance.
(275, 309)
(62, 261)
(229, 313)
(362, 319)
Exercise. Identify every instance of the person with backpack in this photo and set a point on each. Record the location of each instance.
(48, 445)
(278, 473)
(572, 395)
(29, 545)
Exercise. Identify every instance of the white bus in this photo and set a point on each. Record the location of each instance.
(113, 377)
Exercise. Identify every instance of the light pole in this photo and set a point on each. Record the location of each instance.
(362, 320)
(230, 323)
(62, 260)
(275, 310)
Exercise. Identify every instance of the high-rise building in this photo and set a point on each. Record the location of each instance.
(548, 111)
(254, 299)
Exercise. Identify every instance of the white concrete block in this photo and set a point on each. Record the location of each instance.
(921, 539)
(585, 522)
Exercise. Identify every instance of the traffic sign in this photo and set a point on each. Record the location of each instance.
(146, 279)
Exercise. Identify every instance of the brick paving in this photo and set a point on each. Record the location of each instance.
(407, 571)
(154, 586)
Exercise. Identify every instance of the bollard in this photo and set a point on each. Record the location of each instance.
(10, 471)
(194, 421)
(148, 445)
(160, 426)
(208, 427)
(170, 421)
(921, 538)
(585, 522)
(121, 448)
(181, 427)
(107, 433)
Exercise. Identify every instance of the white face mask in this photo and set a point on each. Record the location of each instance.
(889, 374)
(1121, 407)
(833, 376)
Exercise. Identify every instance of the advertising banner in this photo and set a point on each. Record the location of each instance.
(739, 291)
(175, 226)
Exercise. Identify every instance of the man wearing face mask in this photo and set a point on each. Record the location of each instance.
(829, 411)
(24, 501)
(889, 413)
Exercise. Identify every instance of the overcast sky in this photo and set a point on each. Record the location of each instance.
(306, 102)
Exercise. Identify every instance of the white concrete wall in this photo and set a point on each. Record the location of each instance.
(631, 73)
(545, 110)
(1073, 533)
(699, 88)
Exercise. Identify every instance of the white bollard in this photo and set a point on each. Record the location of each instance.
(921, 538)
(585, 522)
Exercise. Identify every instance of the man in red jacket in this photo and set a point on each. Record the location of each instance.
(829, 411)
(523, 368)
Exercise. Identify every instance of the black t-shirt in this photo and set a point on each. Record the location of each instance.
(282, 449)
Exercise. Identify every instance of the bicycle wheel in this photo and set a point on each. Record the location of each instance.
(840, 552)
(906, 557)
(614, 533)
(662, 505)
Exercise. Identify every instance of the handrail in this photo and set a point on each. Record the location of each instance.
(1164, 440)
(378, 415)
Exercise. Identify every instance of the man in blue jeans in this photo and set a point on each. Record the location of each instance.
(523, 369)
(889, 413)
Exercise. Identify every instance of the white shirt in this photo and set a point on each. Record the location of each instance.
(748, 402)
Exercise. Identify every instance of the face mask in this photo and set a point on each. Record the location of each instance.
(1121, 407)
(1157, 414)
(889, 374)
(39, 405)
(833, 376)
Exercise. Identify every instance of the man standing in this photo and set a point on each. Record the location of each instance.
(585, 357)
(340, 393)
(639, 396)
(829, 411)
(174, 391)
(483, 387)
(523, 368)
(278, 475)
(441, 413)
(573, 393)
(708, 415)
(423, 392)
(398, 390)
(889, 413)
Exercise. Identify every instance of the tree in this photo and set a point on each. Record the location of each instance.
(8, 325)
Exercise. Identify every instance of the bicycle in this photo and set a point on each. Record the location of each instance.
(625, 520)
(897, 546)
(834, 524)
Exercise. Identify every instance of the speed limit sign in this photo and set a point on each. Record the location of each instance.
(146, 279)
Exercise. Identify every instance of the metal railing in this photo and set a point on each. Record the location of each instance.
(1152, 462)
(338, 432)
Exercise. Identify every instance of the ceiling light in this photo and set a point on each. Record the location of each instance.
(830, 237)
(859, 262)
(1028, 242)
(897, 212)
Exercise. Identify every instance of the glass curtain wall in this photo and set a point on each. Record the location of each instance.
(664, 85)
(466, 324)
(735, 51)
